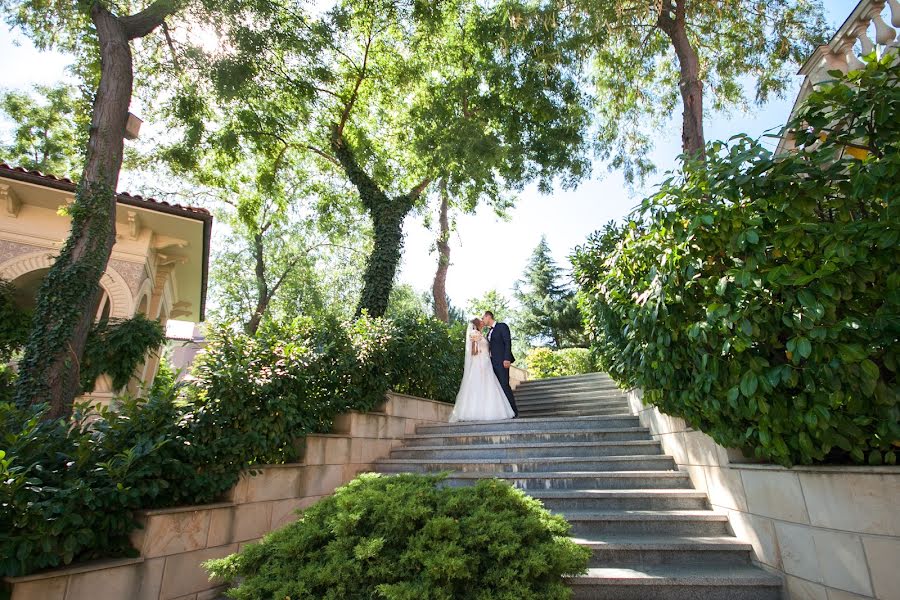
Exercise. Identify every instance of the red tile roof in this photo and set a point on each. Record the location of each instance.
(190, 212)
(64, 183)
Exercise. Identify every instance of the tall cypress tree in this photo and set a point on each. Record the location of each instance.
(549, 314)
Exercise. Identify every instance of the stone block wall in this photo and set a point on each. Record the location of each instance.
(174, 542)
(833, 533)
(517, 376)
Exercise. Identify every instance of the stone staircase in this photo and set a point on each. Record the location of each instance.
(577, 448)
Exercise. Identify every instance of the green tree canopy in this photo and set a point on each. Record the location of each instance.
(649, 56)
(493, 301)
(394, 96)
(45, 135)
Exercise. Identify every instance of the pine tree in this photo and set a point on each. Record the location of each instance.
(549, 314)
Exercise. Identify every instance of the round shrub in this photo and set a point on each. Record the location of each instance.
(757, 296)
(546, 362)
(408, 537)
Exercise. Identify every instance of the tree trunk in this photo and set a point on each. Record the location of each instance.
(387, 216)
(68, 297)
(439, 287)
(381, 266)
(262, 288)
(672, 22)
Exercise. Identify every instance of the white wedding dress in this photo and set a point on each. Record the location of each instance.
(480, 396)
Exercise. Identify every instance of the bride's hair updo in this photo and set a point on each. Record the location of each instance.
(476, 323)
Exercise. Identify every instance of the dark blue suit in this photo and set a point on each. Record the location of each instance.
(500, 342)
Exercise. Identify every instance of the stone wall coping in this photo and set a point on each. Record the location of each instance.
(82, 567)
(824, 469)
(150, 512)
(393, 393)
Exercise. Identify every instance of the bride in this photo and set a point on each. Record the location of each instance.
(480, 396)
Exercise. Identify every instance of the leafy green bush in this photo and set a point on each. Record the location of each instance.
(116, 347)
(546, 362)
(425, 357)
(70, 489)
(758, 296)
(14, 322)
(67, 492)
(408, 537)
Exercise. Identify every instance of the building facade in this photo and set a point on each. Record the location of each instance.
(158, 265)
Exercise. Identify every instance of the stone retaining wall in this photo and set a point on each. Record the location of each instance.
(517, 376)
(832, 532)
(175, 541)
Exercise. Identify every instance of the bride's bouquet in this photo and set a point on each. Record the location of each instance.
(474, 336)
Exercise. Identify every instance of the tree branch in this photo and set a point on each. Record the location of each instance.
(369, 191)
(140, 24)
(353, 96)
(171, 44)
(324, 155)
(419, 188)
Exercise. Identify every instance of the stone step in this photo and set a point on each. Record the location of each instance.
(567, 401)
(570, 399)
(532, 424)
(611, 407)
(581, 390)
(575, 480)
(563, 393)
(566, 501)
(676, 582)
(558, 436)
(595, 379)
(702, 523)
(582, 377)
(572, 412)
(651, 550)
(489, 466)
(644, 447)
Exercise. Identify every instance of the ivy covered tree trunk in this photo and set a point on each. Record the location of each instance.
(68, 297)
(672, 21)
(262, 287)
(439, 287)
(387, 216)
(382, 263)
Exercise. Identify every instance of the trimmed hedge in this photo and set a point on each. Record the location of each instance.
(758, 296)
(69, 490)
(407, 537)
(546, 362)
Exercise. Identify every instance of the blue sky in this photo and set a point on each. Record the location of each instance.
(487, 253)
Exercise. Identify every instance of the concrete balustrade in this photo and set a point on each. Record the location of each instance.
(866, 30)
(174, 542)
(831, 531)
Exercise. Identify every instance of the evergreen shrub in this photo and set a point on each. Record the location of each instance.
(408, 537)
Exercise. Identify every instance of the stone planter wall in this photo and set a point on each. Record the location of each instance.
(832, 532)
(517, 376)
(175, 541)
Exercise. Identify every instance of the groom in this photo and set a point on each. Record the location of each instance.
(500, 343)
